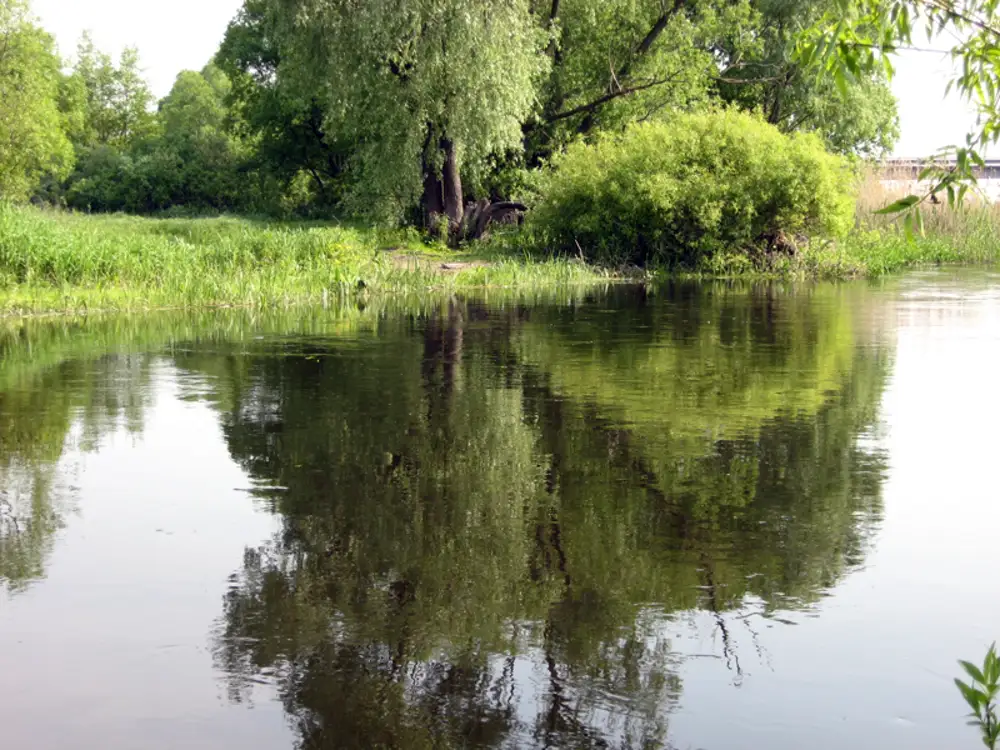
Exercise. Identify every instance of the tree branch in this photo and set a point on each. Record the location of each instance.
(748, 81)
(943, 7)
(615, 88)
(610, 96)
(650, 39)
(553, 50)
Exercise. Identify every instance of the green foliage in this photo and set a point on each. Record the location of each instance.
(104, 180)
(981, 695)
(863, 120)
(386, 108)
(116, 98)
(190, 159)
(622, 61)
(855, 38)
(204, 162)
(678, 192)
(364, 101)
(315, 108)
(61, 261)
(129, 158)
(764, 74)
(33, 143)
(400, 81)
(301, 165)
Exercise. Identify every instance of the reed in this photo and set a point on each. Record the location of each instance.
(62, 262)
(57, 261)
(968, 233)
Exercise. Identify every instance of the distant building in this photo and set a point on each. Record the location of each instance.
(900, 175)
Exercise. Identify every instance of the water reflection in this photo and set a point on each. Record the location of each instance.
(46, 404)
(492, 514)
(489, 518)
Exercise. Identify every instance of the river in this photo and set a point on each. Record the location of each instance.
(716, 516)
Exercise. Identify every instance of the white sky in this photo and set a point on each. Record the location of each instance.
(171, 36)
(184, 34)
(928, 120)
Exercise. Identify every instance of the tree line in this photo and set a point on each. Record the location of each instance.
(405, 112)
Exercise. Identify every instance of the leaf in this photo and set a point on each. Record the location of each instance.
(973, 671)
(993, 659)
(888, 67)
(970, 695)
(901, 205)
(834, 38)
(840, 78)
(927, 172)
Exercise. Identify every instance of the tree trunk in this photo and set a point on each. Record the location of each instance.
(454, 204)
(443, 190)
(433, 200)
(553, 50)
(774, 116)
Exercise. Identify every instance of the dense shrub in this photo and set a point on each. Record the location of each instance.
(677, 192)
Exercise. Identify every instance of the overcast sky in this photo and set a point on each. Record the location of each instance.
(171, 36)
(184, 34)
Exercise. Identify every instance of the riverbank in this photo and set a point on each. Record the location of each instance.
(62, 262)
(868, 252)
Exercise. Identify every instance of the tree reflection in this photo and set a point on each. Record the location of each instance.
(64, 385)
(489, 518)
(46, 407)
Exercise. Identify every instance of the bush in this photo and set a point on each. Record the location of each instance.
(677, 192)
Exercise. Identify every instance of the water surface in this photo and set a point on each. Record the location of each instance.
(700, 516)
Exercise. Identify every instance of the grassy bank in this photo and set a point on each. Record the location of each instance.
(64, 262)
(52, 261)
(868, 252)
(966, 235)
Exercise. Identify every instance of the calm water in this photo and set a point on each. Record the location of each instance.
(697, 517)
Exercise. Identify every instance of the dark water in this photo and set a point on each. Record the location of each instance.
(697, 517)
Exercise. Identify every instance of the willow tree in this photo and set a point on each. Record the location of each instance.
(427, 90)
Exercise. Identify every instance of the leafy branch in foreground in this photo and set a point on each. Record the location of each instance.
(981, 694)
(859, 36)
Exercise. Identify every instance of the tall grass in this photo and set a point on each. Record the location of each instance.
(65, 262)
(62, 261)
(968, 233)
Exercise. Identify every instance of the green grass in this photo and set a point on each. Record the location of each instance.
(968, 234)
(59, 262)
(869, 252)
(877, 252)
(63, 262)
